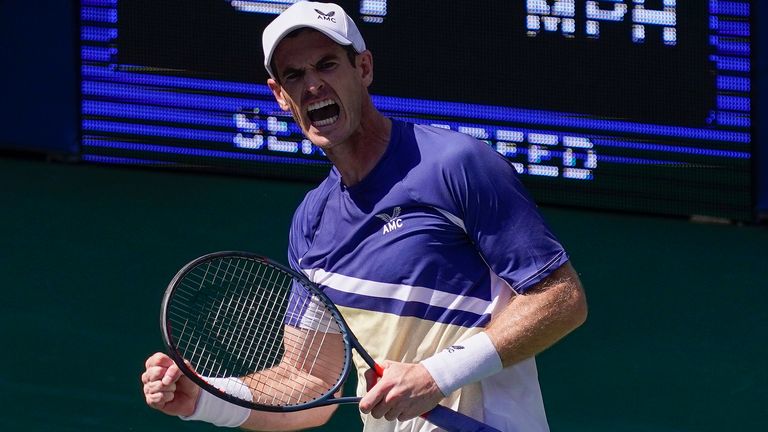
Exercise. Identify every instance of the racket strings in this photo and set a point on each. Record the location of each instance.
(241, 317)
(274, 376)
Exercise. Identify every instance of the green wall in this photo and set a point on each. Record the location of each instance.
(675, 341)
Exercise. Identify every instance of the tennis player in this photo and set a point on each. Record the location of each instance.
(424, 238)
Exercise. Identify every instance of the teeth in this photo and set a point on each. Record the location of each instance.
(327, 121)
(321, 104)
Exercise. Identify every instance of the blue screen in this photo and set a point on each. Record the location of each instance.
(633, 105)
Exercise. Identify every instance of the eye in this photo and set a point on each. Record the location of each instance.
(291, 75)
(326, 65)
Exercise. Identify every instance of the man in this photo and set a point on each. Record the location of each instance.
(424, 238)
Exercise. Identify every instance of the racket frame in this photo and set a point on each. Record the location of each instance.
(440, 416)
(350, 341)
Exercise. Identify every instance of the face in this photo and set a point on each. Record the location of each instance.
(319, 86)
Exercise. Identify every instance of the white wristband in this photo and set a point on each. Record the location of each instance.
(211, 409)
(462, 363)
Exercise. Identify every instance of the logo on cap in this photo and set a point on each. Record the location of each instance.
(326, 16)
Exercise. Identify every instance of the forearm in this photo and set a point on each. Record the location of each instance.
(288, 421)
(286, 385)
(534, 321)
(279, 384)
(278, 387)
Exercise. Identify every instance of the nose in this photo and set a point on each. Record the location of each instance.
(312, 82)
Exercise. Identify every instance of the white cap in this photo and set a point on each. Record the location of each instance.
(328, 18)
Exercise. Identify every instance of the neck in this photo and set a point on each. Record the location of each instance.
(364, 148)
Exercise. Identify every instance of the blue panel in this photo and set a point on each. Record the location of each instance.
(734, 8)
(729, 28)
(734, 84)
(98, 34)
(732, 64)
(98, 54)
(102, 3)
(734, 103)
(761, 164)
(437, 108)
(98, 15)
(185, 151)
(93, 72)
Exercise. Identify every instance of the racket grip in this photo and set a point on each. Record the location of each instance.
(446, 418)
(453, 421)
(379, 370)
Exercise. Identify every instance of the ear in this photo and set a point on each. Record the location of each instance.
(277, 91)
(364, 62)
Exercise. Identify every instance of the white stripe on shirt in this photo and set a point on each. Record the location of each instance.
(409, 293)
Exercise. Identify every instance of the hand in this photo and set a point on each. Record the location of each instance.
(405, 391)
(165, 387)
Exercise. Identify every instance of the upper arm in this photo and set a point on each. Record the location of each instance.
(500, 218)
(559, 294)
(564, 277)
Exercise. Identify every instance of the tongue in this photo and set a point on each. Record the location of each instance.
(324, 113)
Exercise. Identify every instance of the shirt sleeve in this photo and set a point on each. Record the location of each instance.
(297, 239)
(304, 225)
(500, 217)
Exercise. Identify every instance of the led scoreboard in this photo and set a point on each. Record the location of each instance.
(634, 105)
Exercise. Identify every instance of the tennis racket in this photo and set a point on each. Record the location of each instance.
(236, 314)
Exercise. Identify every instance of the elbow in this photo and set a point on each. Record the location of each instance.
(572, 299)
(580, 315)
(575, 298)
(579, 309)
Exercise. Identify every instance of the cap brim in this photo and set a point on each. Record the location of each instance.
(332, 35)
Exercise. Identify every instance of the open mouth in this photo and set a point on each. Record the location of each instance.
(323, 113)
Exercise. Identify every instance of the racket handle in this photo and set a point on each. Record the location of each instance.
(447, 418)
(453, 421)
(379, 370)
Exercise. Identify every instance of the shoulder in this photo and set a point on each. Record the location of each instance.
(448, 169)
(312, 204)
(445, 150)
(448, 140)
(307, 217)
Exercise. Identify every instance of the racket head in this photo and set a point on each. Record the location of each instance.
(217, 298)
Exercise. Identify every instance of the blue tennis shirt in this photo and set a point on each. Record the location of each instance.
(422, 253)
